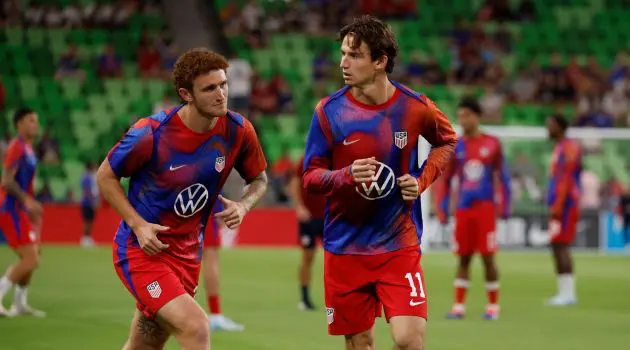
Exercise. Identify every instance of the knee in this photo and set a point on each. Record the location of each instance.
(197, 328)
(361, 341)
(412, 339)
(31, 260)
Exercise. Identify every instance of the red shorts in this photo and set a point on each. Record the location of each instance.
(563, 232)
(212, 237)
(475, 230)
(16, 228)
(358, 287)
(155, 280)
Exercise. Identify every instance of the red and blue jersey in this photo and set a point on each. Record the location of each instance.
(564, 181)
(21, 159)
(372, 218)
(478, 164)
(176, 174)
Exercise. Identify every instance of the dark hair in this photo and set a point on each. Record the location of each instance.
(472, 104)
(194, 63)
(377, 35)
(21, 114)
(561, 120)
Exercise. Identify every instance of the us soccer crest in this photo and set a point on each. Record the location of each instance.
(400, 139)
(219, 164)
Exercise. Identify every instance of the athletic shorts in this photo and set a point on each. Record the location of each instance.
(212, 237)
(155, 280)
(87, 212)
(475, 230)
(358, 287)
(16, 228)
(310, 231)
(563, 231)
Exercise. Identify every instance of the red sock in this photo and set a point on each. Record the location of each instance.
(493, 292)
(214, 305)
(461, 287)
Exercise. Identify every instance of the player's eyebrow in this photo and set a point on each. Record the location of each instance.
(214, 86)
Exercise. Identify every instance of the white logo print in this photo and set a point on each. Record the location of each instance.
(382, 183)
(414, 303)
(173, 168)
(154, 290)
(191, 200)
(347, 143)
(473, 169)
(400, 139)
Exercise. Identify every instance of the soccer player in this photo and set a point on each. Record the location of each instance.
(89, 201)
(20, 213)
(563, 199)
(624, 210)
(310, 214)
(478, 164)
(178, 161)
(211, 273)
(361, 153)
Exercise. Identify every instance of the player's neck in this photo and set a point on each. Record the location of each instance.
(196, 122)
(27, 140)
(560, 138)
(472, 133)
(376, 93)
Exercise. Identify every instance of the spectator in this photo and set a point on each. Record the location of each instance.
(45, 194)
(149, 61)
(69, 65)
(53, 16)
(239, 76)
(492, 104)
(110, 63)
(47, 149)
(72, 15)
(34, 14)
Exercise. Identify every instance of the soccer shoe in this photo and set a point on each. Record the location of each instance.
(491, 313)
(222, 323)
(559, 300)
(457, 312)
(306, 306)
(26, 310)
(4, 312)
(87, 242)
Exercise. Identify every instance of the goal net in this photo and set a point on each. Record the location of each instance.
(528, 153)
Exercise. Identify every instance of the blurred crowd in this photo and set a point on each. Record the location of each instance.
(602, 96)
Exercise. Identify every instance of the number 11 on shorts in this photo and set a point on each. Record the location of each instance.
(412, 284)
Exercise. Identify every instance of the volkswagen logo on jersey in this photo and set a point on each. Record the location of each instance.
(383, 183)
(473, 170)
(191, 200)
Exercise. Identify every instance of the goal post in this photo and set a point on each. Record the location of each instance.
(528, 152)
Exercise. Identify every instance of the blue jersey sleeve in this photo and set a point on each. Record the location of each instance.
(133, 151)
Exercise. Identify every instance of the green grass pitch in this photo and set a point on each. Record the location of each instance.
(88, 308)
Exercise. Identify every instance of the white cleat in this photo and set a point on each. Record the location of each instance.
(87, 242)
(222, 323)
(4, 313)
(560, 300)
(25, 310)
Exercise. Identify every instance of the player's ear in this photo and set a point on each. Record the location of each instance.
(381, 62)
(185, 95)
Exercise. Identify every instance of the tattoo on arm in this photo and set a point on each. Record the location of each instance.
(150, 329)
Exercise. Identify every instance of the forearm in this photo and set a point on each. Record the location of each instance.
(325, 182)
(13, 188)
(254, 192)
(295, 192)
(436, 163)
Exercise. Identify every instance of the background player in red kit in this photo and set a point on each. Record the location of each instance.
(19, 212)
(478, 163)
(362, 154)
(178, 161)
(212, 271)
(310, 210)
(563, 199)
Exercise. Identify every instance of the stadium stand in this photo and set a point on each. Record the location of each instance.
(91, 68)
